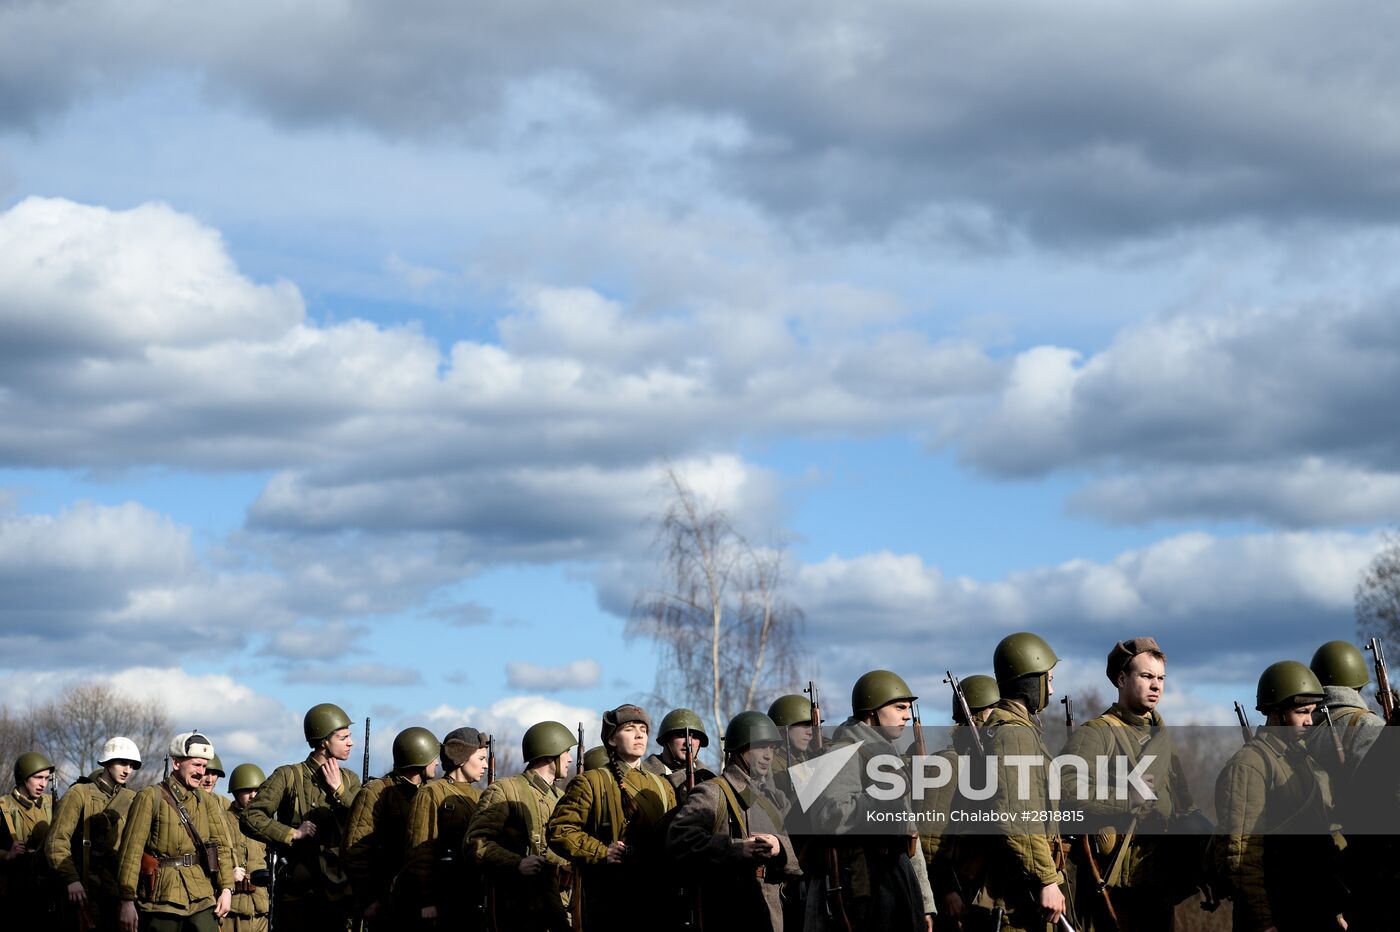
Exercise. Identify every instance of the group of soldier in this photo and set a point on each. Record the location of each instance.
(626, 837)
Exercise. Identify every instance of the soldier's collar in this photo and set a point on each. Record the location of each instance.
(25, 801)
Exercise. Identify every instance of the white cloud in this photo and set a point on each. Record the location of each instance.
(576, 674)
(508, 718)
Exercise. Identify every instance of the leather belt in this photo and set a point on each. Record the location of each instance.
(184, 860)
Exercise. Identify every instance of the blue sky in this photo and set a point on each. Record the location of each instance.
(341, 352)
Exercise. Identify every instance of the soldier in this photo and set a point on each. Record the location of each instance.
(438, 878)
(507, 834)
(1120, 847)
(248, 909)
(595, 758)
(956, 862)
(1274, 810)
(1343, 673)
(25, 812)
(81, 847)
(213, 773)
(729, 833)
(607, 822)
(1026, 857)
(376, 844)
(886, 883)
(301, 811)
(670, 763)
(793, 715)
(174, 867)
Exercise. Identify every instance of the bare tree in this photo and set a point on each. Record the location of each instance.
(73, 728)
(16, 737)
(1378, 592)
(726, 635)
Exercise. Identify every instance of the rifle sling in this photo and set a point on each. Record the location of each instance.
(184, 819)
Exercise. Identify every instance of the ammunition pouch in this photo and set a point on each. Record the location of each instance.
(146, 878)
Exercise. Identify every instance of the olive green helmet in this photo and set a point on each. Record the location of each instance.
(1339, 663)
(546, 739)
(1022, 654)
(1285, 684)
(791, 710)
(246, 777)
(414, 747)
(878, 688)
(679, 720)
(214, 766)
(28, 764)
(749, 728)
(323, 720)
(980, 691)
(595, 758)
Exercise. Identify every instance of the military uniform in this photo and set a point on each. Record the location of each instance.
(1147, 878)
(1274, 850)
(589, 817)
(510, 824)
(705, 838)
(673, 772)
(82, 842)
(1026, 853)
(312, 888)
(376, 843)
(885, 889)
(182, 895)
(436, 873)
(25, 896)
(250, 905)
(1354, 724)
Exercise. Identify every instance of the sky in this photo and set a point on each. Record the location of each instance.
(344, 345)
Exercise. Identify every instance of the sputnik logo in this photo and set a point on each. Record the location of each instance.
(811, 777)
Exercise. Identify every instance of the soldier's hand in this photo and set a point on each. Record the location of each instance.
(304, 830)
(76, 894)
(1052, 903)
(240, 874)
(615, 852)
(952, 905)
(761, 846)
(224, 903)
(15, 851)
(928, 923)
(429, 913)
(532, 865)
(126, 916)
(330, 770)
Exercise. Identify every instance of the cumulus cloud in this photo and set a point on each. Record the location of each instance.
(508, 718)
(1222, 606)
(362, 674)
(576, 674)
(1050, 120)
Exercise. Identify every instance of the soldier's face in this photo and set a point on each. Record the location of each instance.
(800, 737)
(891, 718)
(1141, 683)
(189, 772)
(119, 771)
(34, 786)
(244, 797)
(339, 743)
(208, 781)
(760, 759)
(475, 767)
(630, 741)
(1296, 720)
(676, 746)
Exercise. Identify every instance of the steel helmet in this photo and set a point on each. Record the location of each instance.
(414, 747)
(28, 764)
(120, 749)
(595, 758)
(246, 777)
(1022, 654)
(791, 710)
(749, 728)
(1285, 684)
(1339, 663)
(546, 739)
(215, 766)
(678, 720)
(879, 688)
(323, 720)
(980, 691)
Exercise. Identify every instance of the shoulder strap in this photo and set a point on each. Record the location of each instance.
(184, 817)
(735, 806)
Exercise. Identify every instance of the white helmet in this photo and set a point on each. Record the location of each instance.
(120, 749)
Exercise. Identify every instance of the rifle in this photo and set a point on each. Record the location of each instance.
(1336, 738)
(920, 751)
(1068, 703)
(489, 903)
(689, 764)
(1384, 693)
(490, 759)
(961, 699)
(1244, 721)
(364, 764)
(832, 897)
(576, 897)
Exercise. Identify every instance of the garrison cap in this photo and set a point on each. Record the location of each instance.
(191, 744)
(1124, 651)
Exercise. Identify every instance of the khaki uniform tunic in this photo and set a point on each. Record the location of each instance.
(82, 842)
(510, 825)
(376, 843)
(153, 827)
(25, 821)
(251, 855)
(437, 873)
